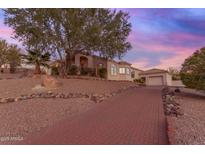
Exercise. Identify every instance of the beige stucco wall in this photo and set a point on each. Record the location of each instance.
(118, 76)
(94, 61)
(77, 60)
(169, 79)
(99, 60)
(136, 72)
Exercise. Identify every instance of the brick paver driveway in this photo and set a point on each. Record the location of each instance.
(133, 117)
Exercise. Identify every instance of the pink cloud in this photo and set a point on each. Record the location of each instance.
(174, 61)
(5, 32)
(185, 37)
(156, 43)
(166, 48)
(141, 63)
(165, 63)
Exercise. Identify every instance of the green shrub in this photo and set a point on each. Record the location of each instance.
(102, 72)
(92, 72)
(87, 71)
(73, 70)
(54, 71)
(140, 81)
(193, 70)
(84, 71)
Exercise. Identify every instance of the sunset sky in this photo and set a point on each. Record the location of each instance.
(161, 38)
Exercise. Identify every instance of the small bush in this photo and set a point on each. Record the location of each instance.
(140, 81)
(73, 70)
(176, 77)
(84, 71)
(102, 72)
(87, 71)
(12, 70)
(54, 71)
(92, 72)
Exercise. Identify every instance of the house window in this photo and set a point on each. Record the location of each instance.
(113, 70)
(122, 70)
(127, 71)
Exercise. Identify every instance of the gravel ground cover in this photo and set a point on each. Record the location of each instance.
(10, 76)
(21, 118)
(17, 87)
(190, 127)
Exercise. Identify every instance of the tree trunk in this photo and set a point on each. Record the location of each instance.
(2, 70)
(69, 60)
(62, 67)
(12, 67)
(62, 70)
(37, 69)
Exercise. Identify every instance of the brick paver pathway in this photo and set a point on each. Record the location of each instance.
(133, 117)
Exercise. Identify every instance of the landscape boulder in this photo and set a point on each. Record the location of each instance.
(50, 82)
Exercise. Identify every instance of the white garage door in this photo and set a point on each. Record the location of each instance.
(155, 80)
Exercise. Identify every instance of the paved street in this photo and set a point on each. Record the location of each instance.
(133, 117)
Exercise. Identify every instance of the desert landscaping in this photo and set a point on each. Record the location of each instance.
(28, 108)
(185, 117)
(75, 77)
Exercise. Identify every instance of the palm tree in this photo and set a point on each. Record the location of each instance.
(37, 58)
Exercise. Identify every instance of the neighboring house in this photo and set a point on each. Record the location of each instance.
(156, 77)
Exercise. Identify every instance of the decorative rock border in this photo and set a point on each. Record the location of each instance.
(171, 107)
(170, 130)
(97, 98)
(171, 110)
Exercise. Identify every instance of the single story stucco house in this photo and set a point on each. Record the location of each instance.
(119, 71)
(123, 71)
(115, 70)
